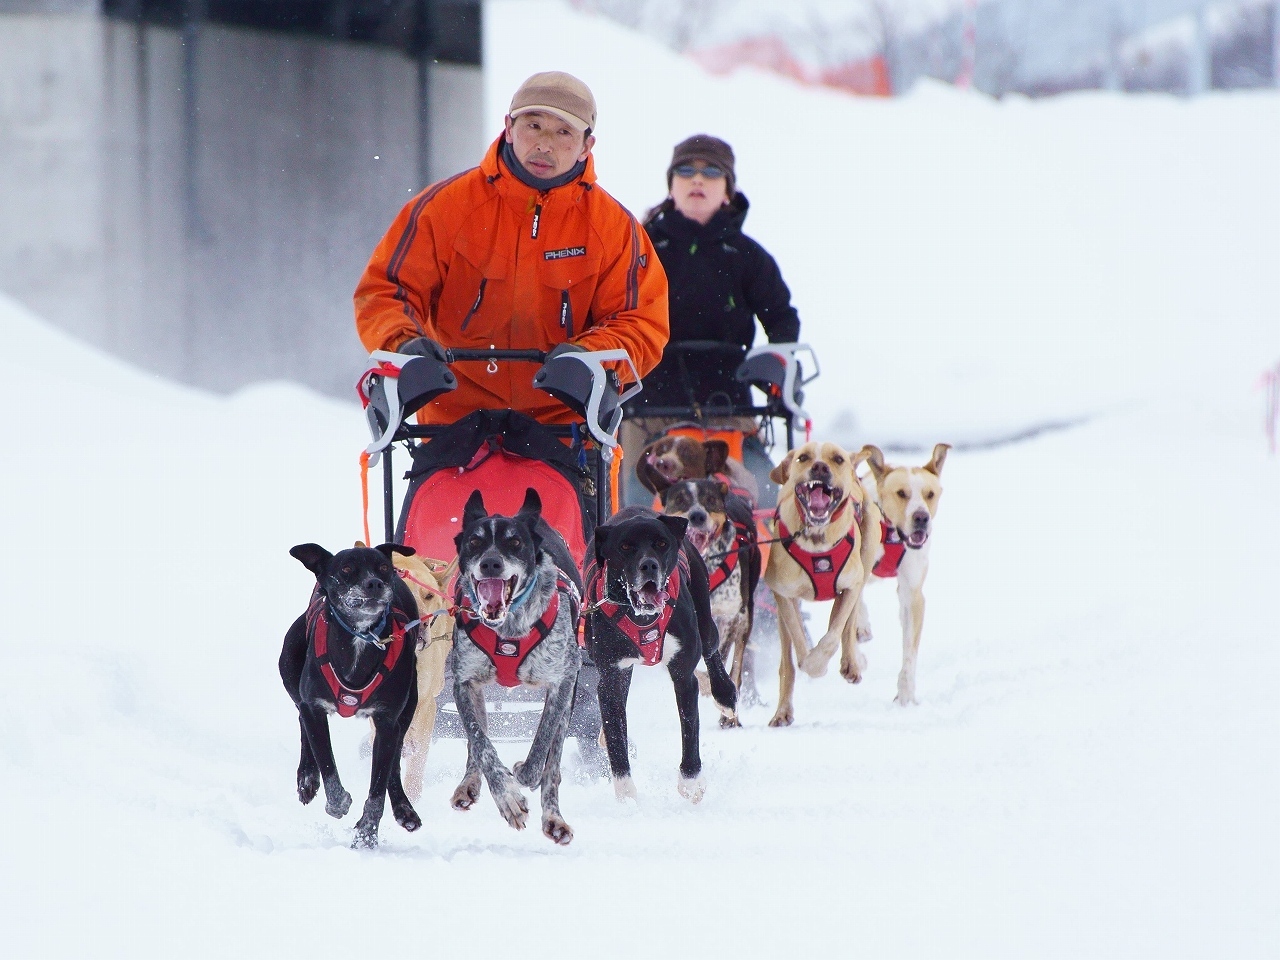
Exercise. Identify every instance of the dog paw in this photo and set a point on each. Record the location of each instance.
(729, 721)
(851, 672)
(406, 816)
(704, 683)
(864, 635)
(466, 795)
(782, 718)
(338, 804)
(816, 660)
(624, 788)
(525, 776)
(692, 788)
(554, 827)
(308, 785)
(906, 695)
(366, 837)
(512, 805)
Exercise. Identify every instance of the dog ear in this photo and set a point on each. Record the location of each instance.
(663, 494)
(312, 556)
(723, 487)
(934, 466)
(387, 549)
(875, 460)
(717, 454)
(677, 525)
(602, 536)
(531, 509)
(474, 510)
(649, 476)
(782, 471)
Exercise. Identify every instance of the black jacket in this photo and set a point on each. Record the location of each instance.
(720, 281)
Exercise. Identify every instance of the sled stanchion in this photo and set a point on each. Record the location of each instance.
(388, 506)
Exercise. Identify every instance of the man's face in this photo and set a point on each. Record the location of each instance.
(545, 145)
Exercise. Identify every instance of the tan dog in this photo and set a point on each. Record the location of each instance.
(908, 499)
(823, 556)
(426, 580)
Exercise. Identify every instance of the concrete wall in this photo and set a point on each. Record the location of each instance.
(223, 251)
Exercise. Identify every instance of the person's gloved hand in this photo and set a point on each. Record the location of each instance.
(424, 347)
(560, 349)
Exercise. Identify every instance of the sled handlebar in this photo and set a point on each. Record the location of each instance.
(534, 356)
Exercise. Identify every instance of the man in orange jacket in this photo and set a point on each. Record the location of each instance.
(522, 252)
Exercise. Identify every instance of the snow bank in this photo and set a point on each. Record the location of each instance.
(1091, 771)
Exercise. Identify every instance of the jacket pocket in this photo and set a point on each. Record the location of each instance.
(475, 306)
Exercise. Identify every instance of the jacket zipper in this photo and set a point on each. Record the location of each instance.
(475, 306)
(566, 315)
(537, 217)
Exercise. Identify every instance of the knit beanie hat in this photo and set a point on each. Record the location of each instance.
(710, 150)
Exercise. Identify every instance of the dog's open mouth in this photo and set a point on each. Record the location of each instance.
(701, 539)
(916, 539)
(817, 500)
(647, 599)
(495, 595)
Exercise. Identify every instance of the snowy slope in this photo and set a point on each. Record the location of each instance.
(1092, 768)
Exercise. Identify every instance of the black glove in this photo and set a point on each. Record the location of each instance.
(560, 349)
(424, 347)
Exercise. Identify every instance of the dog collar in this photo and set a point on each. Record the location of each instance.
(895, 548)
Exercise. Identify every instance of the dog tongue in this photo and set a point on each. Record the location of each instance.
(819, 499)
(651, 595)
(491, 592)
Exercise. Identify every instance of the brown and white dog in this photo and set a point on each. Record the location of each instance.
(674, 457)
(899, 519)
(426, 580)
(822, 555)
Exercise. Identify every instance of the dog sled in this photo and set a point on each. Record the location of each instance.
(501, 453)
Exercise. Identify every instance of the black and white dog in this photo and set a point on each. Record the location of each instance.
(353, 653)
(648, 604)
(722, 527)
(518, 598)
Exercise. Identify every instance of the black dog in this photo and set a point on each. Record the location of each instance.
(518, 598)
(723, 529)
(354, 653)
(648, 603)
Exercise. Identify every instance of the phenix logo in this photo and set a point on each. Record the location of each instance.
(566, 252)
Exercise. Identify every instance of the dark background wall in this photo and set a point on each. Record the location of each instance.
(197, 190)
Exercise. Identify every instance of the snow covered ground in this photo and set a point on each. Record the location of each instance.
(1092, 770)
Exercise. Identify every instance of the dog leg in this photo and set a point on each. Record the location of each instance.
(468, 790)
(401, 808)
(790, 627)
(615, 684)
(863, 622)
(386, 755)
(431, 667)
(852, 662)
(308, 771)
(691, 784)
(315, 725)
(559, 703)
(911, 613)
(502, 785)
(815, 662)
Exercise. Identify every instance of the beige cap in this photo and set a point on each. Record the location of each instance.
(557, 93)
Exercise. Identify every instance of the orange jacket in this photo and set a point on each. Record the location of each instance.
(482, 260)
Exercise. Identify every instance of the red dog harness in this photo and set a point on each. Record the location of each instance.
(508, 653)
(649, 637)
(823, 569)
(729, 561)
(894, 551)
(349, 699)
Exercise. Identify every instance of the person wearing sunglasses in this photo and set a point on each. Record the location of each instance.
(720, 282)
